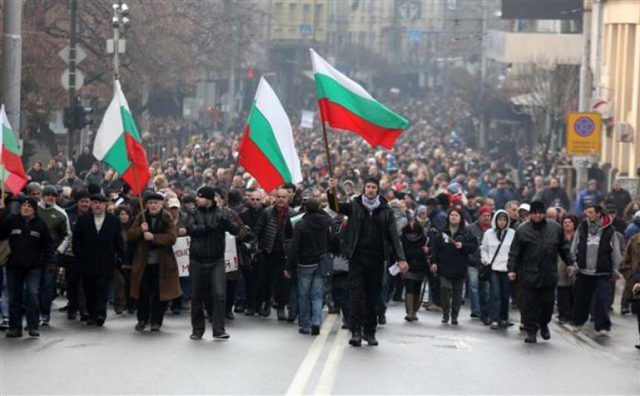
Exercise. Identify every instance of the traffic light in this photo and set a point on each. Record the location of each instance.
(84, 116)
(69, 118)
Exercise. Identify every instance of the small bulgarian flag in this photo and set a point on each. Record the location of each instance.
(118, 143)
(11, 167)
(344, 104)
(266, 150)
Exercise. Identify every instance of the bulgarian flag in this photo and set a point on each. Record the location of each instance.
(118, 143)
(344, 104)
(266, 150)
(11, 167)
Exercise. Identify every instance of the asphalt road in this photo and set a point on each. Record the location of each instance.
(264, 356)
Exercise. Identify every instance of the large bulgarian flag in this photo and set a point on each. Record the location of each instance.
(344, 104)
(11, 168)
(266, 149)
(118, 143)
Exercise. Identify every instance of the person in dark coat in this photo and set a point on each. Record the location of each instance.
(414, 243)
(85, 160)
(250, 268)
(36, 173)
(32, 251)
(619, 197)
(450, 259)
(555, 194)
(99, 250)
(154, 272)
(310, 240)
(370, 240)
(533, 260)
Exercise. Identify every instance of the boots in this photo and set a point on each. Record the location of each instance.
(409, 305)
(416, 306)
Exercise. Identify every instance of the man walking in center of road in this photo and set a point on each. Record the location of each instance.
(533, 258)
(370, 240)
(206, 224)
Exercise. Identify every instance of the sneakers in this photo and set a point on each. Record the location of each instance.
(315, 330)
(155, 326)
(493, 326)
(603, 333)
(221, 336)
(140, 326)
(370, 339)
(33, 333)
(196, 335)
(44, 322)
(4, 325)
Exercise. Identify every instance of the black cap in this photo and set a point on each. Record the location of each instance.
(207, 192)
(49, 190)
(538, 207)
(152, 196)
(99, 197)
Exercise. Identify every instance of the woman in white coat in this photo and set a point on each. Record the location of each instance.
(494, 252)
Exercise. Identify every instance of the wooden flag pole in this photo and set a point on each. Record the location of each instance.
(135, 180)
(331, 175)
(3, 188)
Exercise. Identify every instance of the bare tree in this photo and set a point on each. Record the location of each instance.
(546, 91)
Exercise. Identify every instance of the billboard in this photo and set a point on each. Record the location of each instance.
(542, 9)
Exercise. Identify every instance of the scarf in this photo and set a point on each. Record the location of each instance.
(371, 204)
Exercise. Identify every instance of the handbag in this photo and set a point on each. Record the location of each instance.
(485, 270)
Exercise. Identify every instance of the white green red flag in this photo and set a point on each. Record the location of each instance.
(11, 167)
(118, 143)
(344, 104)
(266, 150)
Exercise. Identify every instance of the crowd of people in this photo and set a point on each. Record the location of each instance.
(433, 223)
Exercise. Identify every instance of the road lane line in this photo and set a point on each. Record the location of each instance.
(303, 374)
(330, 370)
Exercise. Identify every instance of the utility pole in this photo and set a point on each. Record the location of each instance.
(73, 100)
(12, 61)
(585, 84)
(483, 76)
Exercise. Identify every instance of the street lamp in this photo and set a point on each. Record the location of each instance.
(117, 45)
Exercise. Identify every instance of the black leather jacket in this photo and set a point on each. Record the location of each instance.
(355, 210)
(206, 227)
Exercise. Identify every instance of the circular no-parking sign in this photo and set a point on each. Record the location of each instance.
(584, 126)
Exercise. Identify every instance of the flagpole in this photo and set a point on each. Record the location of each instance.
(3, 187)
(230, 182)
(135, 180)
(331, 175)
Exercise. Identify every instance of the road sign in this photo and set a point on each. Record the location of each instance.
(583, 133)
(64, 79)
(80, 54)
(306, 29)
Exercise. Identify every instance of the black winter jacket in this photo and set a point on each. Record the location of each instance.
(267, 230)
(206, 227)
(451, 261)
(310, 240)
(534, 254)
(416, 258)
(98, 253)
(30, 242)
(383, 216)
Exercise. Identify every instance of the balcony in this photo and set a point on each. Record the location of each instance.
(508, 47)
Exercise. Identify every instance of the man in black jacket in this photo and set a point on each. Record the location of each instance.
(32, 251)
(274, 234)
(206, 224)
(98, 249)
(73, 277)
(533, 258)
(370, 240)
(249, 271)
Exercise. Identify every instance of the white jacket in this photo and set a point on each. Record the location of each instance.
(490, 244)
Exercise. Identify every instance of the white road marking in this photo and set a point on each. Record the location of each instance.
(330, 370)
(303, 374)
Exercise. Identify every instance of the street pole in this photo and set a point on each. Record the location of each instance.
(483, 76)
(12, 61)
(116, 55)
(585, 84)
(73, 100)
(232, 67)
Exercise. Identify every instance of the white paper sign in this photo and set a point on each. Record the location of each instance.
(394, 269)
(230, 253)
(306, 119)
(181, 251)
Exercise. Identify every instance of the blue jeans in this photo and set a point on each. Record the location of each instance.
(478, 293)
(310, 293)
(4, 296)
(499, 308)
(23, 283)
